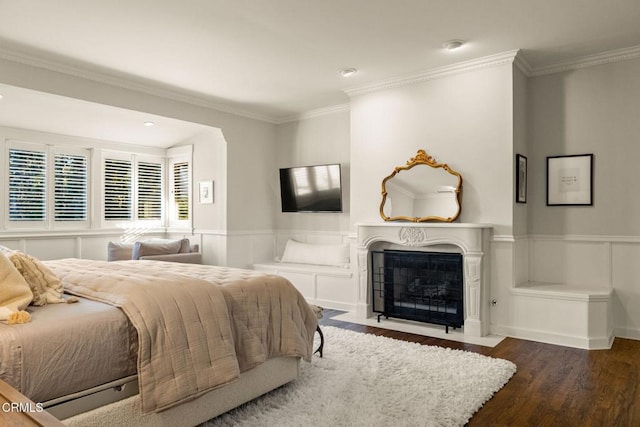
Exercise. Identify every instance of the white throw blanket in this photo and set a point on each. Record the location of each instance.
(15, 294)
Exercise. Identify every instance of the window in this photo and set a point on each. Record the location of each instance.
(181, 189)
(70, 187)
(149, 190)
(133, 188)
(180, 200)
(117, 190)
(48, 185)
(27, 185)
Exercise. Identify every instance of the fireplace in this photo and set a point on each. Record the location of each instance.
(469, 241)
(421, 286)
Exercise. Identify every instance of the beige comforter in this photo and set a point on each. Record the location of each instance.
(193, 336)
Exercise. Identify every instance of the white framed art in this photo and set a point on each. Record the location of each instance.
(206, 192)
(570, 180)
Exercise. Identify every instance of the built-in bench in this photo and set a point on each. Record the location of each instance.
(579, 316)
(326, 286)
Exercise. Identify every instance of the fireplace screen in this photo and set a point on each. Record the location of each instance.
(421, 286)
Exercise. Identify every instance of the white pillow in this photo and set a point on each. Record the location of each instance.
(307, 253)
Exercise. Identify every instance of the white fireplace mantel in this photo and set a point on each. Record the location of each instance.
(472, 241)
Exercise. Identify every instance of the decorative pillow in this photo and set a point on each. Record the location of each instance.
(155, 248)
(15, 294)
(185, 246)
(119, 251)
(306, 253)
(45, 285)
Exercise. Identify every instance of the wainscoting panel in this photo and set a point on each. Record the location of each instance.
(626, 284)
(47, 246)
(575, 262)
(239, 249)
(593, 265)
(521, 259)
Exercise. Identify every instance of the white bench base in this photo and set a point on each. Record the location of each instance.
(329, 287)
(569, 315)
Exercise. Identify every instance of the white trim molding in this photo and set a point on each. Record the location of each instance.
(602, 58)
(436, 73)
(334, 109)
(131, 83)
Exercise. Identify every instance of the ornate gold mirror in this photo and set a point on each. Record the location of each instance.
(421, 191)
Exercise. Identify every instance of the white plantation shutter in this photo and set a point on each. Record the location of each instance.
(149, 178)
(117, 189)
(70, 192)
(27, 185)
(181, 189)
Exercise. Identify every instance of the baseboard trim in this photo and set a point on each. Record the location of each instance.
(627, 333)
(586, 343)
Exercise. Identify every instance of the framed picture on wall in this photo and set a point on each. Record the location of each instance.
(521, 179)
(570, 180)
(206, 192)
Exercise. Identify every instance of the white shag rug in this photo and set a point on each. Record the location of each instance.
(367, 380)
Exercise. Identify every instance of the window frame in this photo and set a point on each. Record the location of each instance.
(138, 158)
(175, 155)
(36, 148)
(73, 151)
(50, 151)
(95, 208)
(117, 156)
(134, 221)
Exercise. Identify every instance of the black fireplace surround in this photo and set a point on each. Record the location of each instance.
(420, 286)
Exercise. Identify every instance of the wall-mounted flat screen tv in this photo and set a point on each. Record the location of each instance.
(311, 189)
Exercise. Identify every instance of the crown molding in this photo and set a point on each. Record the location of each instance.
(522, 64)
(514, 56)
(128, 83)
(436, 73)
(608, 57)
(312, 114)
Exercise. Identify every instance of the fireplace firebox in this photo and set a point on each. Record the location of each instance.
(421, 286)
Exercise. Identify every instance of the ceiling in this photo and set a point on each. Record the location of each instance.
(276, 59)
(33, 110)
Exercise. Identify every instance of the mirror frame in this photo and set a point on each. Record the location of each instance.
(422, 158)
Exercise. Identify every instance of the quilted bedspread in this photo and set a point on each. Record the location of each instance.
(198, 326)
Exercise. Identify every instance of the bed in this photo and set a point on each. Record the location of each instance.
(191, 341)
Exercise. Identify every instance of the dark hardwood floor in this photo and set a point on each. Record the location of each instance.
(554, 385)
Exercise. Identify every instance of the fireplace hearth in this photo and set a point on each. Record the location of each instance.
(420, 286)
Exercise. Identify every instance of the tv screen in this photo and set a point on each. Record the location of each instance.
(311, 189)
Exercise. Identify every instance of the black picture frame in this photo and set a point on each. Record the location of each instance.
(521, 179)
(570, 180)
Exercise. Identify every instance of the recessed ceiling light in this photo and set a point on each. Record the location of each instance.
(149, 123)
(347, 72)
(1, 96)
(453, 44)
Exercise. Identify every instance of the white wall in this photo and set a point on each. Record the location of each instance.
(250, 152)
(476, 121)
(583, 111)
(464, 120)
(520, 146)
(319, 140)
(588, 110)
